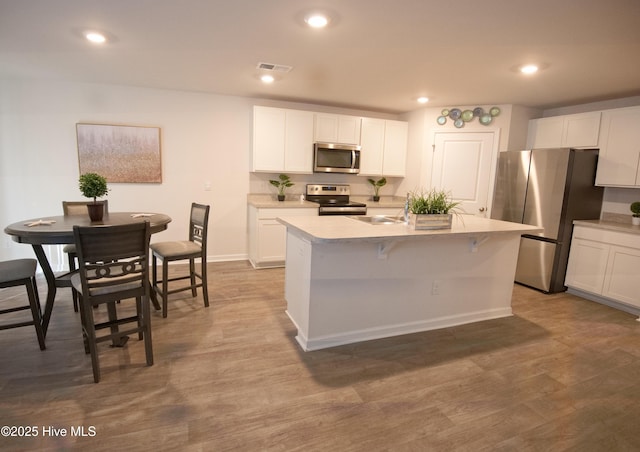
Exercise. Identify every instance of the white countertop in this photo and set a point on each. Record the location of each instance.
(293, 201)
(340, 228)
(610, 225)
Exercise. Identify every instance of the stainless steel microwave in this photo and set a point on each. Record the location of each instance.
(336, 158)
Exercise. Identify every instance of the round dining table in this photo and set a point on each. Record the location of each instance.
(58, 230)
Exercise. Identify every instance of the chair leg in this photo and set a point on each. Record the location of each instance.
(90, 329)
(192, 274)
(72, 267)
(140, 318)
(36, 310)
(205, 291)
(165, 286)
(148, 345)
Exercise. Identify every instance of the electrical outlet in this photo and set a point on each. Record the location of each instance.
(435, 288)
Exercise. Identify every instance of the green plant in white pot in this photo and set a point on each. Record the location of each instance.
(431, 209)
(93, 185)
(282, 183)
(635, 213)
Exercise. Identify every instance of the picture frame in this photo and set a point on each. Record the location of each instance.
(120, 153)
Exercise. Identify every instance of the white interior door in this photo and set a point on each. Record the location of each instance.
(464, 164)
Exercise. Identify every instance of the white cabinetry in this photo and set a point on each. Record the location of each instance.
(282, 140)
(605, 263)
(384, 147)
(619, 157)
(330, 128)
(577, 131)
(267, 237)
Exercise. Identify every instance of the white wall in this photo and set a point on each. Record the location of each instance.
(204, 138)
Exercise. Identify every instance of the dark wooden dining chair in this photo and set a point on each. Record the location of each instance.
(113, 265)
(76, 208)
(192, 249)
(22, 272)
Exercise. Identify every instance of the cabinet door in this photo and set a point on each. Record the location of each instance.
(337, 128)
(621, 282)
(372, 142)
(272, 239)
(545, 133)
(395, 148)
(581, 130)
(268, 139)
(619, 156)
(587, 265)
(298, 147)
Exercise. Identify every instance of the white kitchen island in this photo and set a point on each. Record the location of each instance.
(349, 281)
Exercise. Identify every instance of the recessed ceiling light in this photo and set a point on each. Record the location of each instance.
(423, 100)
(95, 37)
(317, 20)
(529, 69)
(267, 78)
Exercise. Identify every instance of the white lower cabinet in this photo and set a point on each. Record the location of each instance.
(268, 237)
(605, 263)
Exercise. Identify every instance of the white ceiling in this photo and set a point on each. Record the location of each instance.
(377, 55)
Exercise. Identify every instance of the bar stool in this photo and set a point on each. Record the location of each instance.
(22, 272)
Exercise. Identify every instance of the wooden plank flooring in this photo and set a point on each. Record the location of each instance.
(562, 374)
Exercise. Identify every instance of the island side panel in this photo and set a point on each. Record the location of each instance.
(298, 283)
(361, 290)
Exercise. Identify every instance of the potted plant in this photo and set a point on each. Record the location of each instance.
(282, 183)
(93, 185)
(635, 209)
(431, 210)
(377, 184)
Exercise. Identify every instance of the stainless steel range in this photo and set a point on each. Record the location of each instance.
(334, 200)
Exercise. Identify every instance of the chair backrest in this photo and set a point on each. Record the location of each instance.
(80, 207)
(114, 259)
(199, 224)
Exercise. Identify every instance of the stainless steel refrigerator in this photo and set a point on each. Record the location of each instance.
(548, 188)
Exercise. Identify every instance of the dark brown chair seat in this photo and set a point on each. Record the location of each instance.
(20, 272)
(192, 249)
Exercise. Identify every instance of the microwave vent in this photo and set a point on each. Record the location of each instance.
(274, 67)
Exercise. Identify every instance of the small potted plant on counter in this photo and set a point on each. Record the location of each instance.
(635, 210)
(431, 210)
(377, 185)
(282, 183)
(93, 185)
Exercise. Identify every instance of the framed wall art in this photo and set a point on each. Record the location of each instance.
(120, 153)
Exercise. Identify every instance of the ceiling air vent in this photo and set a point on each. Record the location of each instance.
(274, 67)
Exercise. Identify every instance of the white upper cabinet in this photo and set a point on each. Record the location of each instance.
(619, 157)
(330, 128)
(282, 140)
(384, 147)
(395, 148)
(576, 131)
(372, 143)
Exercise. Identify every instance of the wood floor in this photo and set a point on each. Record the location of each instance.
(562, 374)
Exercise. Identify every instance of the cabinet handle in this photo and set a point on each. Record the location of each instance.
(482, 209)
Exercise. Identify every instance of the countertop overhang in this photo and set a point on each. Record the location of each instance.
(342, 228)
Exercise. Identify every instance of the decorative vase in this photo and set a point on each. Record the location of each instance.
(431, 221)
(96, 211)
(635, 221)
(280, 197)
(376, 198)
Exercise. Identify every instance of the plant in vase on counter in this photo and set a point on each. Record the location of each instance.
(377, 185)
(93, 185)
(431, 209)
(635, 210)
(282, 183)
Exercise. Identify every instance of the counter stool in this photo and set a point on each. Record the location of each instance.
(195, 247)
(20, 272)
